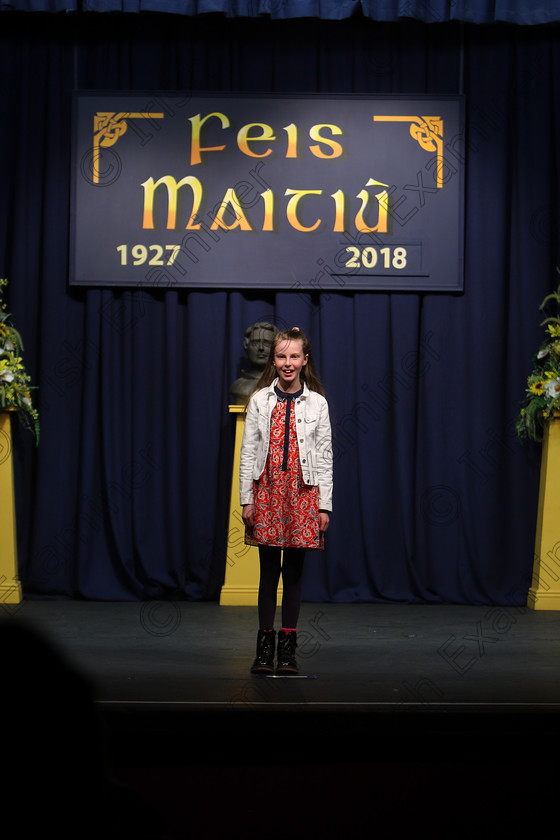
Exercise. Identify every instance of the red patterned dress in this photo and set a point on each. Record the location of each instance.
(287, 510)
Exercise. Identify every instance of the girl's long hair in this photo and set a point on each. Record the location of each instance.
(308, 373)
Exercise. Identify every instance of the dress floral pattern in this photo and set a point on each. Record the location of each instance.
(287, 510)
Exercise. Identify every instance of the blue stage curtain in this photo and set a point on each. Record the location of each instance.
(524, 12)
(127, 495)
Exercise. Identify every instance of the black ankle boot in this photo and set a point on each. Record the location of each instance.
(264, 660)
(286, 661)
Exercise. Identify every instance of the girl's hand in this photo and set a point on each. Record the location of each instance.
(248, 515)
(323, 521)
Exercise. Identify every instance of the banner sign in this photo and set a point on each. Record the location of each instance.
(308, 193)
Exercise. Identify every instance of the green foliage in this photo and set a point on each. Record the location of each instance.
(15, 387)
(543, 384)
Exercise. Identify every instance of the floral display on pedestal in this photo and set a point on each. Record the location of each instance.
(542, 402)
(15, 387)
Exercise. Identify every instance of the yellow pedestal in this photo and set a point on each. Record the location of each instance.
(10, 587)
(544, 593)
(241, 584)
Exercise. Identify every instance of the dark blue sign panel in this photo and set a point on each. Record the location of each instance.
(268, 192)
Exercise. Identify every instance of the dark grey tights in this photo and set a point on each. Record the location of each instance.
(290, 566)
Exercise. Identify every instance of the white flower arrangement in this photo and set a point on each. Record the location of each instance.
(15, 387)
(543, 384)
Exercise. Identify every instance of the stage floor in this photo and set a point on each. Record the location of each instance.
(358, 658)
(398, 706)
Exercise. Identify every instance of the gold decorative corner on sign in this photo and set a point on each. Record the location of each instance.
(428, 133)
(108, 127)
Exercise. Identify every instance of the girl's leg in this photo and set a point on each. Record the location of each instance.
(270, 567)
(292, 574)
(270, 563)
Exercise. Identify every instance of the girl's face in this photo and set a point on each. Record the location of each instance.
(289, 359)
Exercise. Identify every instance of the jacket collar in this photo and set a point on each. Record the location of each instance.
(270, 389)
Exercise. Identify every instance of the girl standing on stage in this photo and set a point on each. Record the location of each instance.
(285, 478)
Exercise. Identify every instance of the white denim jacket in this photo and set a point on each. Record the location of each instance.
(313, 435)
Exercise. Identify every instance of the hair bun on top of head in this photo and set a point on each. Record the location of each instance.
(295, 329)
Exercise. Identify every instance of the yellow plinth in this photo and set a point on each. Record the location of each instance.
(544, 593)
(10, 587)
(241, 584)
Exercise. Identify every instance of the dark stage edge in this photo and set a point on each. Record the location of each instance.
(386, 671)
(423, 721)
